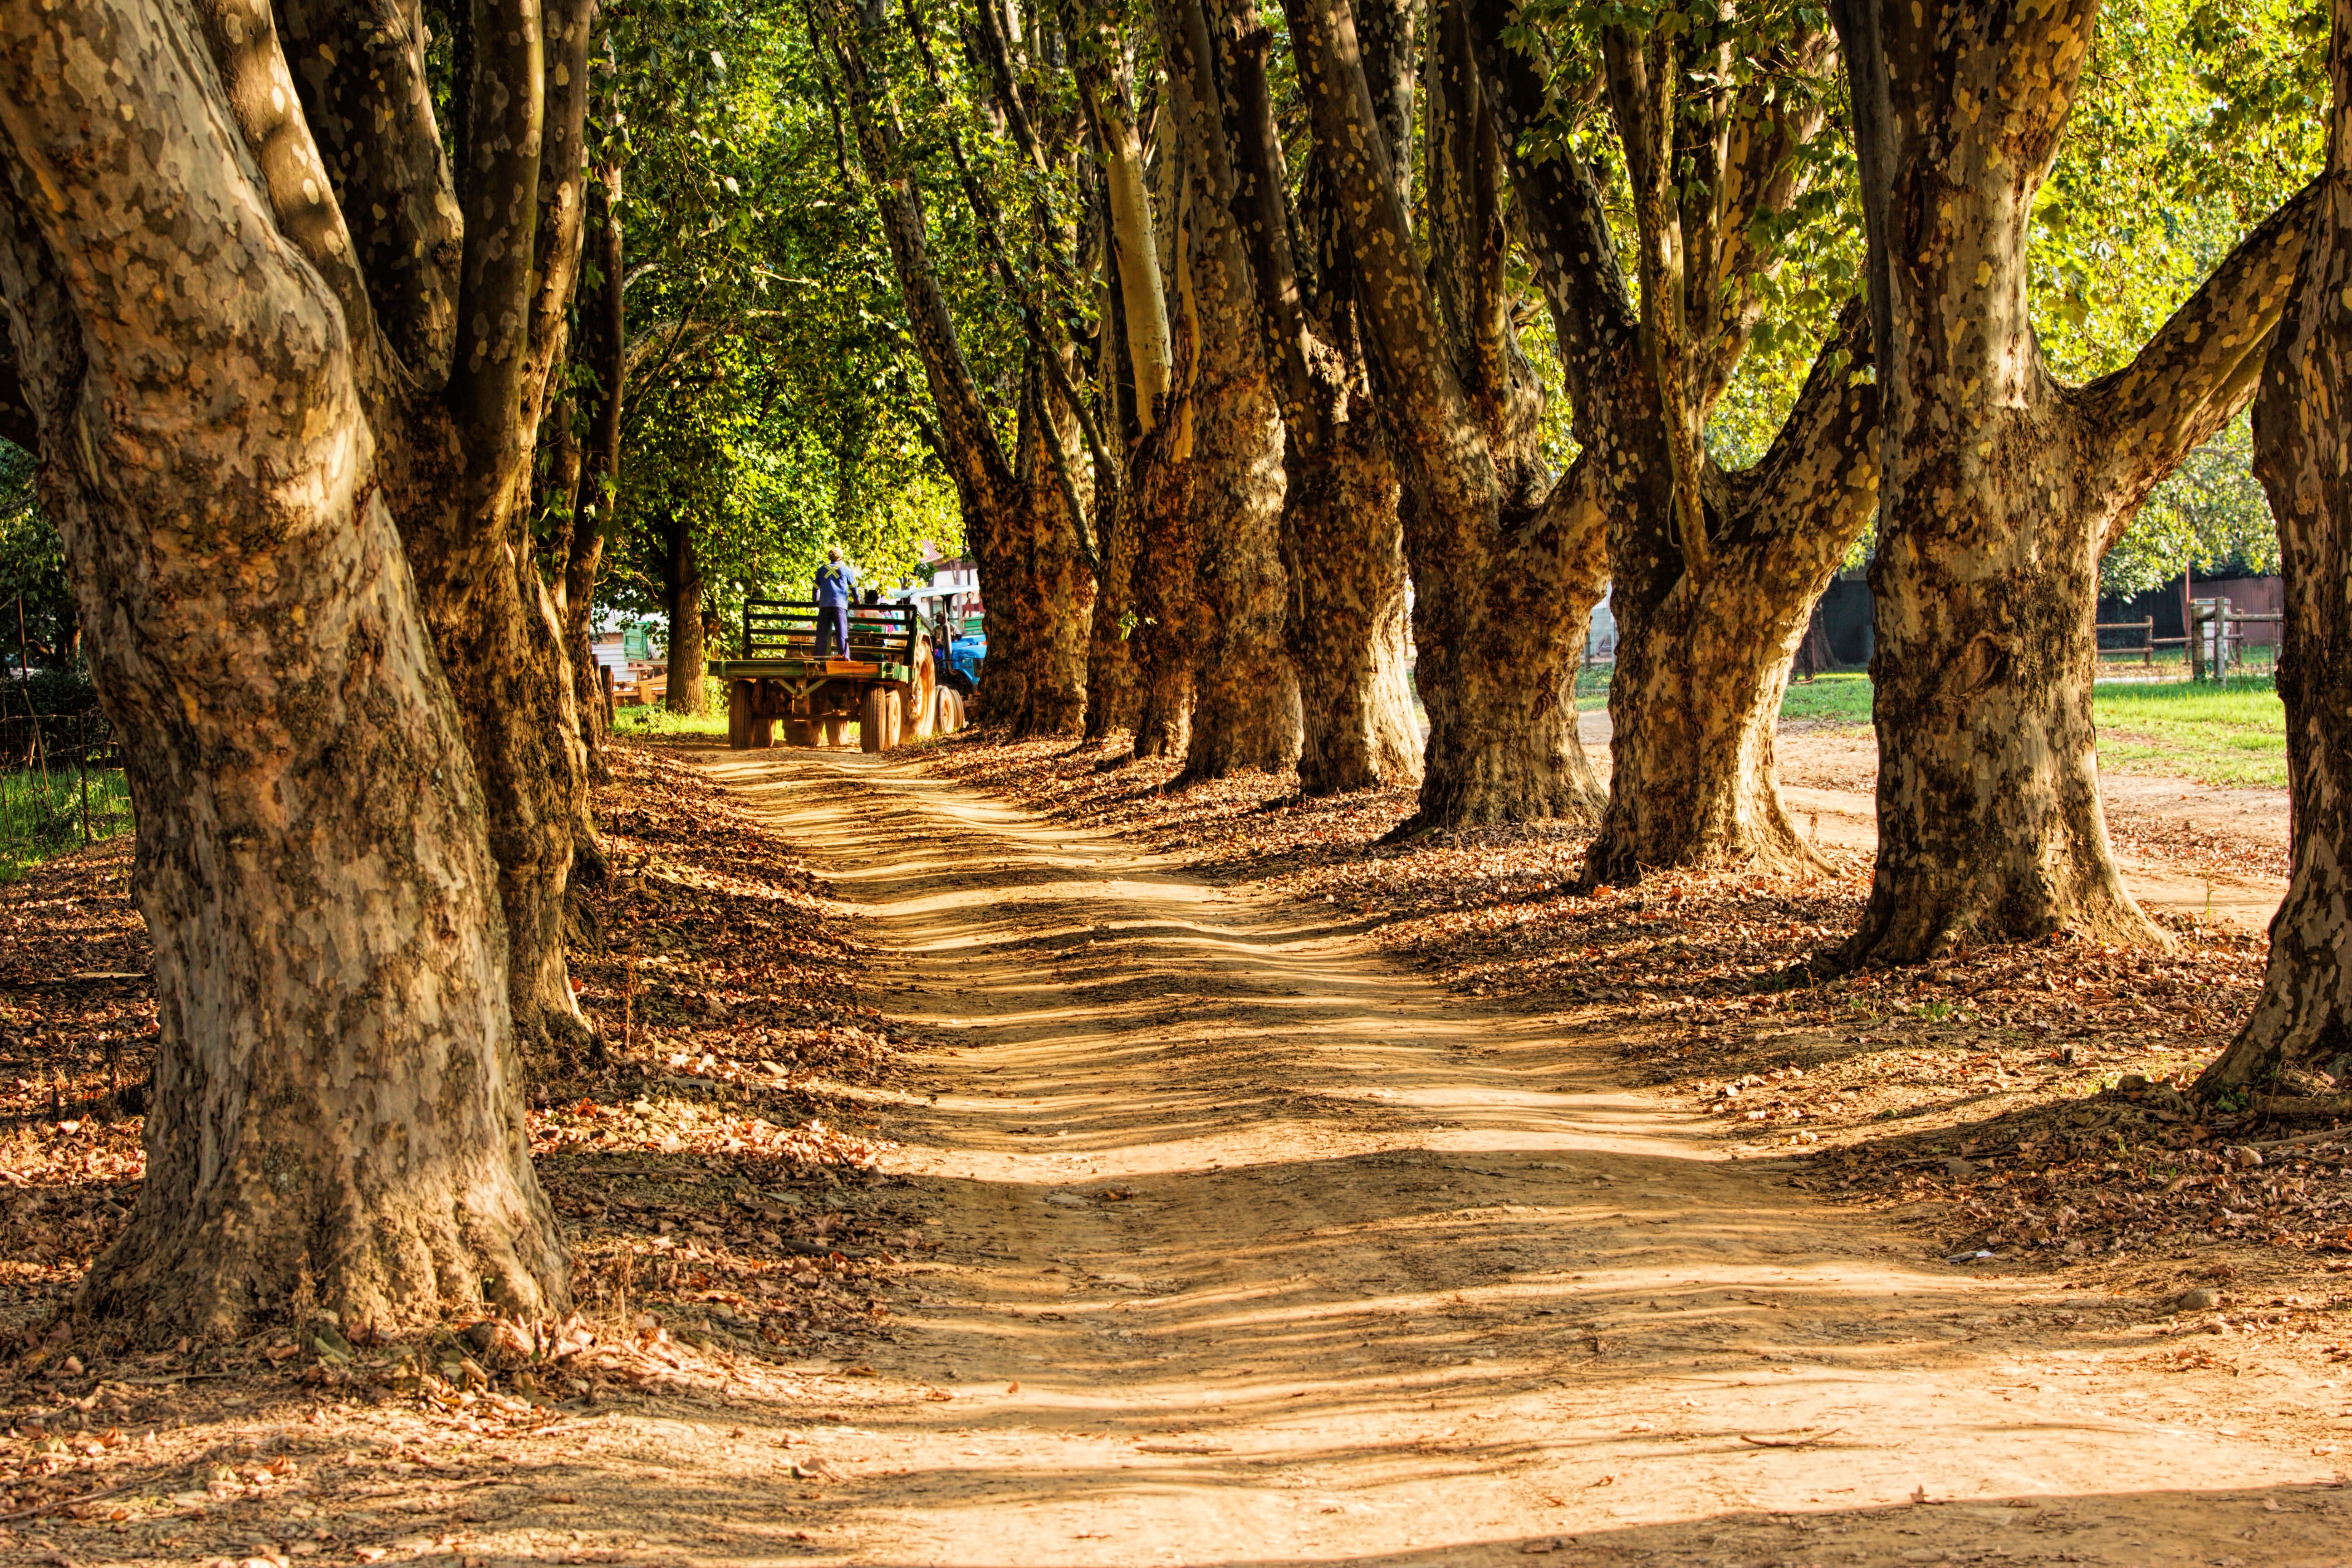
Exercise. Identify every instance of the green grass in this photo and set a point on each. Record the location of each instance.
(2230, 734)
(662, 721)
(1834, 698)
(40, 822)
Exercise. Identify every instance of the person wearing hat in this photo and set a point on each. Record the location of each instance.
(836, 582)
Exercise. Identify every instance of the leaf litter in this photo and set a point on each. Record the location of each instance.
(734, 1242)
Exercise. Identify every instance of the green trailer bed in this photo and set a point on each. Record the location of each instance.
(884, 682)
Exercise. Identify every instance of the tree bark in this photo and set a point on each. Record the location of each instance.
(1703, 660)
(2000, 487)
(2303, 454)
(604, 351)
(312, 862)
(1246, 694)
(1342, 537)
(682, 601)
(1507, 562)
(1035, 573)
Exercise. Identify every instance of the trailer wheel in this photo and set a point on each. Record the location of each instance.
(738, 714)
(834, 729)
(950, 706)
(874, 720)
(764, 731)
(800, 732)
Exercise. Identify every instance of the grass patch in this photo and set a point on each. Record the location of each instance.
(650, 721)
(2229, 734)
(41, 818)
(1836, 698)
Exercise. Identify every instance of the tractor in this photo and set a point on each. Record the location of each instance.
(886, 682)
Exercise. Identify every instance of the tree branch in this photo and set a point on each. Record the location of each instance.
(1261, 211)
(263, 97)
(1561, 207)
(2201, 366)
(499, 189)
(359, 65)
(563, 194)
(1823, 467)
(983, 478)
(1432, 416)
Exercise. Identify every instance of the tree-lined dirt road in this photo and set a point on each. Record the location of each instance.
(1254, 1248)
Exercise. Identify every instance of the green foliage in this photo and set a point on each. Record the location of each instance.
(2195, 121)
(32, 569)
(776, 403)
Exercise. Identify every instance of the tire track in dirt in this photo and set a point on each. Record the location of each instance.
(1258, 1250)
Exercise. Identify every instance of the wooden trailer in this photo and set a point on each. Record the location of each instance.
(887, 683)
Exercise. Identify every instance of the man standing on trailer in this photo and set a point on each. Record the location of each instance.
(836, 580)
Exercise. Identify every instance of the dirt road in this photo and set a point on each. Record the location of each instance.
(1258, 1250)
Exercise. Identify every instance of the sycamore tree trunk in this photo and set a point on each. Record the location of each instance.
(1703, 660)
(1507, 561)
(1342, 537)
(337, 1087)
(1166, 606)
(604, 352)
(1245, 692)
(682, 602)
(1035, 573)
(2303, 454)
(464, 277)
(2000, 487)
(1712, 573)
(1343, 547)
(1040, 592)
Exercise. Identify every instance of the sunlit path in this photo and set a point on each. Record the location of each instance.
(1260, 1250)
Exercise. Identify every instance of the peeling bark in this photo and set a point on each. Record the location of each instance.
(1342, 536)
(2303, 454)
(1703, 660)
(2001, 487)
(1246, 694)
(1507, 562)
(313, 867)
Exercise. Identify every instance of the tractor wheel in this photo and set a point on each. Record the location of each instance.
(922, 695)
(738, 714)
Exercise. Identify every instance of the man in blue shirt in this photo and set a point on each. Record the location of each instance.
(836, 582)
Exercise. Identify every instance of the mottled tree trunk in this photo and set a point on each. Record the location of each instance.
(1166, 604)
(2000, 487)
(1246, 694)
(1342, 538)
(2303, 453)
(337, 1089)
(1703, 660)
(1035, 575)
(1343, 547)
(1498, 656)
(1507, 562)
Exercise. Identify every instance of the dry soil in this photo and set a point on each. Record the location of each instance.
(1258, 1249)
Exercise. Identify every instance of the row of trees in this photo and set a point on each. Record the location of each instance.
(341, 350)
(1357, 222)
